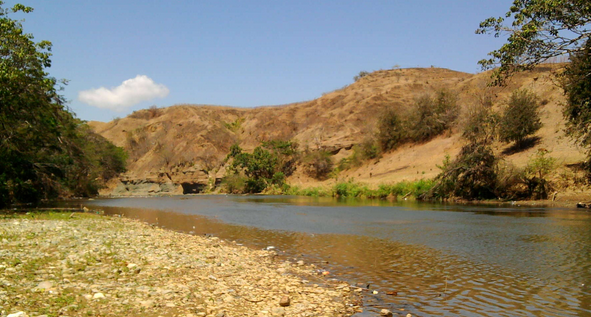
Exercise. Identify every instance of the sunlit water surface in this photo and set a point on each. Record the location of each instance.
(442, 260)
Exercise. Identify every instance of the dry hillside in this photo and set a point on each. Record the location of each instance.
(181, 148)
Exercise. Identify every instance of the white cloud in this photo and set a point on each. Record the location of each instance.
(129, 93)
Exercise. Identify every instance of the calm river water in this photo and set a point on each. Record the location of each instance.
(442, 260)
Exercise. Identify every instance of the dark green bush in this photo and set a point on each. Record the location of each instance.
(260, 169)
(472, 175)
(576, 83)
(520, 118)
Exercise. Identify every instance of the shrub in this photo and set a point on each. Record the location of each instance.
(480, 123)
(577, 112)
(521, 117)
(350, 189)
(263, 167)
(368, 149)
(537, 172)
(234, 183)
(360, 75)
(432, 115)
(428, 117)
(472, 175)
(286, 152)
(318, 164)
(391, 131)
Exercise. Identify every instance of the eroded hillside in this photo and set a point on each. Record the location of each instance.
(181, 149)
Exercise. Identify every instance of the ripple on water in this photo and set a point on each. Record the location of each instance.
(494, 270)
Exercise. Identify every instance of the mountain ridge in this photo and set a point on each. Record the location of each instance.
(181, 149)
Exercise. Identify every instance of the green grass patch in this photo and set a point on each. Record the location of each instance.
(45, 215)
(352, 189)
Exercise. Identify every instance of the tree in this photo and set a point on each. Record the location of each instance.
(577, 86)
(521, 117)
(539, 29)
(360, 75)
(260, 168)
(431, 115)
(391, 131)
(471, 175)
(44, 149)
(318, 164)
(480, 124)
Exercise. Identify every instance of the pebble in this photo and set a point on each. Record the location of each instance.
(386, 313)
(99, 258)
(285, 301)
(278, 311)
(45, 285)
(18, 314)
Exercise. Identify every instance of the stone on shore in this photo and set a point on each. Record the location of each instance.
(86, 264)
(285, 301)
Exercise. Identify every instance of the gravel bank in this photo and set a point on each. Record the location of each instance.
(62, 264)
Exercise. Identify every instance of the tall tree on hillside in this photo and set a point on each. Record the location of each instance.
(43, 149)
(577, 86)
(520, 118)
(537, 31)
(541, 29)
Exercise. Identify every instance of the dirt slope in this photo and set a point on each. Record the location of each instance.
(181, 148)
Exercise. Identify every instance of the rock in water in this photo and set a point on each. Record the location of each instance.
(285, 301)
(385, 313)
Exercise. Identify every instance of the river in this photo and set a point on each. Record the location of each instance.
(423, 259)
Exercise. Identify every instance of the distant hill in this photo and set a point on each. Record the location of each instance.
(181, 148)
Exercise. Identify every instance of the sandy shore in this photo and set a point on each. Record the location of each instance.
(62, 264)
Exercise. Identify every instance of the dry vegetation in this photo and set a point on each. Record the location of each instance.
(187, 144)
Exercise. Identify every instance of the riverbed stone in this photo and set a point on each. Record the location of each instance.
(385, 313)
(45, 285)
(285, 301)
(96, 259)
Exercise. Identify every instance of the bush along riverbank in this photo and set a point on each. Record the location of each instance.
(352, 189)
(79, 264)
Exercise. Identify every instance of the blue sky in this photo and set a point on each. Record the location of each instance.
(245, 53)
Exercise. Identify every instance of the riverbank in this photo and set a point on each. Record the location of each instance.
(82, 264)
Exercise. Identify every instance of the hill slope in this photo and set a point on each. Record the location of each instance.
(181, 148)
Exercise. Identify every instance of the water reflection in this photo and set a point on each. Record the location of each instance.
(440, 259)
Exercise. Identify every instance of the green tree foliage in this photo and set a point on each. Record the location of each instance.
(536, 175)
(577, 86)
(261, 167)
(521, 117)
(429, 116)
(537, 30)
(472, 175)
(286, 152)
(45, 150)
